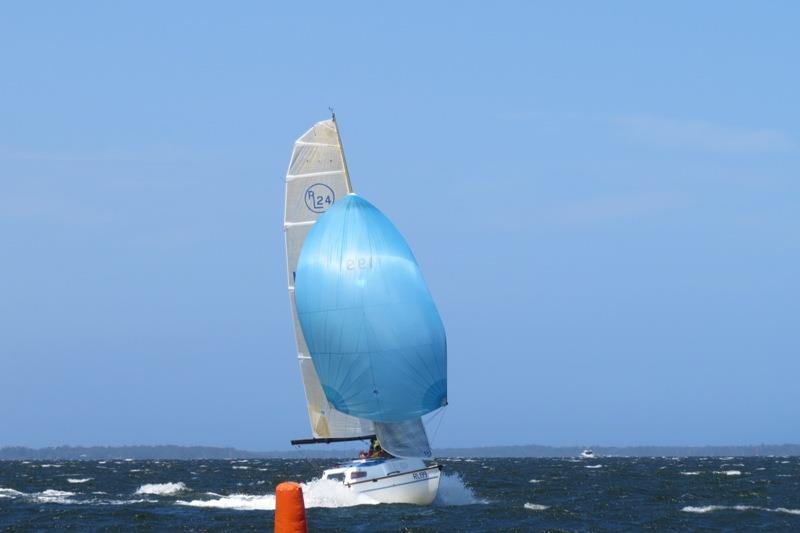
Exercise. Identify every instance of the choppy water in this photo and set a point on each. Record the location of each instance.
(606, 494)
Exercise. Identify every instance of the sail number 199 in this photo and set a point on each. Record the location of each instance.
(360, 263)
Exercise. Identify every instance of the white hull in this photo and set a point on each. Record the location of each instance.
(390, 480)
(403, 488)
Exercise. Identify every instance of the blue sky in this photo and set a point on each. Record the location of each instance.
(604, 201)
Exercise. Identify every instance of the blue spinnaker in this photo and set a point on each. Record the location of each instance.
(372, 329)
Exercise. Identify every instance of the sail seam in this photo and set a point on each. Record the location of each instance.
(287, 225)
(306, 143)
(367, 327)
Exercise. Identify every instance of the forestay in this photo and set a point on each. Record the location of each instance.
(315, 180)
(372, 328)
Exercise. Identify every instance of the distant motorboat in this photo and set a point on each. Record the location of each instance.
(588, 454)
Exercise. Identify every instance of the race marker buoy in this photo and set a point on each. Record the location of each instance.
(290, 510)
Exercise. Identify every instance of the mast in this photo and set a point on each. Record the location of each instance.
(341, 153)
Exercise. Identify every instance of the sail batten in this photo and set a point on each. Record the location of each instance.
(313, 174)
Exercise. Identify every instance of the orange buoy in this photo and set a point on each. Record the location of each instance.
(290, 510)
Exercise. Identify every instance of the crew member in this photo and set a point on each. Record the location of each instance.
(375, 449)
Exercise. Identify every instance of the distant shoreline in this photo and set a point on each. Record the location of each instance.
(168, 452)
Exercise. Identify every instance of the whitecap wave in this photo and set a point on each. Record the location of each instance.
(453, 491)
(162, 489)
(593, 466)
(535, 481)
(46, 496)
(117, 502)
(316, 493)
(691, 473)
(10, 493)
(53, 496)
(535, 507)
(330, 494)
(711, 508)
(78, 480)
(241, 502)
(54, 492)
(728, 472)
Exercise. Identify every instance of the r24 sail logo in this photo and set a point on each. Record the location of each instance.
(319, 197)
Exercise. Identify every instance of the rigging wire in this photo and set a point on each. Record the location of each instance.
(440, 415)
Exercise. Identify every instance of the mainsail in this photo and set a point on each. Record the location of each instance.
(317, 177)
(375, 337)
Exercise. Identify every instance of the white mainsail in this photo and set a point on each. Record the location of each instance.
(317, 176)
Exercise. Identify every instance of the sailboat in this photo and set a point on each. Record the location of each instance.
(370, 342)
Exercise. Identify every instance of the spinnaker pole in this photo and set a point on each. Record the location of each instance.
(298, 442)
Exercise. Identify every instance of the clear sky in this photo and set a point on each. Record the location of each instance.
(605, 201)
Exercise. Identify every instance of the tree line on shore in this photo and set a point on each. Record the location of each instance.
(169, 452)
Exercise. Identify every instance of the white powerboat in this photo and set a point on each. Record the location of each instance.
(588, 454)
(389, 480)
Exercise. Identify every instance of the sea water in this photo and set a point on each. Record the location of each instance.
(476, 494)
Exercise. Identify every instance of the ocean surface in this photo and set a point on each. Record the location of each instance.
(604, 494)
